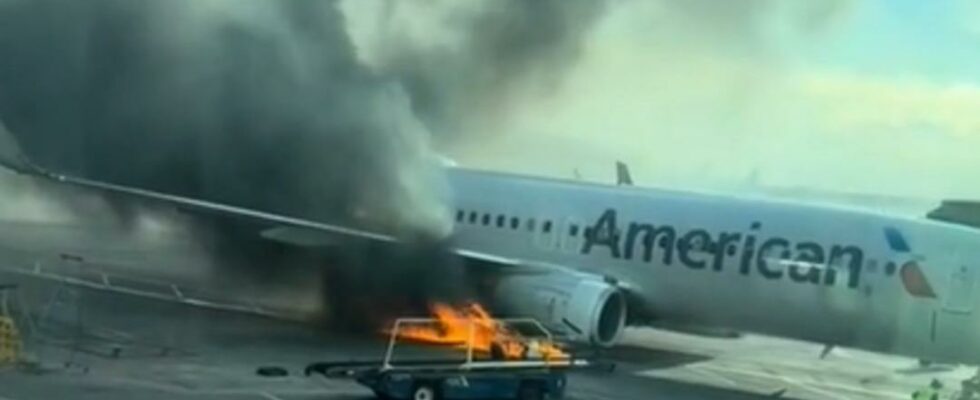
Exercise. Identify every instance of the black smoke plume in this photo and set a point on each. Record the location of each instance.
(264, 104)
(503, 48)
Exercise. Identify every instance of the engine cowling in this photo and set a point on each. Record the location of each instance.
(584, 308)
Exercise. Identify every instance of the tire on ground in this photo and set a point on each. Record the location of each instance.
(425, 391)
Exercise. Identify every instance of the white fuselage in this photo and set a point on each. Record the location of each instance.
(824, 274)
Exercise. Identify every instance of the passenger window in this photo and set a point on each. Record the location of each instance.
(460, 215)
(547, 227)
(500, 221)
(573, 230)
(472, 217)
(515, 222)
(486, 219)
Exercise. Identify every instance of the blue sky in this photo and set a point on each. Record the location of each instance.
(934, 39)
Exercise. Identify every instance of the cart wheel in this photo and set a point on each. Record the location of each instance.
(424, 391)
(530, 391)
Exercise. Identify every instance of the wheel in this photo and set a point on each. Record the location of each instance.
(530, 391)
(424, 391)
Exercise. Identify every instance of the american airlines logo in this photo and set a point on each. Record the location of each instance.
(772, 257)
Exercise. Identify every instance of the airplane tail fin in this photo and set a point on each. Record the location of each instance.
(623, 177)
(962, 212)
(11, 155)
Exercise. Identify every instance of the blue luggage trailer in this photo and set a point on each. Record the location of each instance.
(435, 379)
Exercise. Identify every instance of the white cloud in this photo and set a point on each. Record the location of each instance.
(855, 103)
(692, 113)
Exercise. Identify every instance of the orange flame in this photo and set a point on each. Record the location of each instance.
(454, 327)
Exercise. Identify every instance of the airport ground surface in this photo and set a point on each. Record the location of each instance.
(100, 345)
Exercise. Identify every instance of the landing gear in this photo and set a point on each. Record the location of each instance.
(424, 391)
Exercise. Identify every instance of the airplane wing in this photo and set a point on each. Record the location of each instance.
(275, 227)
(284, 229)
(281, 228)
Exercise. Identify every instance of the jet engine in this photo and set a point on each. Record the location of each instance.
(584, 308)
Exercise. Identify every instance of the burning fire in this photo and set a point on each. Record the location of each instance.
(454, 327)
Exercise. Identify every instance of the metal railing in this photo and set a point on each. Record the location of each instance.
(469, 362)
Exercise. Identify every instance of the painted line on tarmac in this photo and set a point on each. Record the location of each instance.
(700, 369)
(807, 388)
(269, 396)
(855, 389)
(175, 389)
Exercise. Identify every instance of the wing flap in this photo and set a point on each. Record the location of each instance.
(301, 237)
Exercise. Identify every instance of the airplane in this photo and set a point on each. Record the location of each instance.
(590, 259)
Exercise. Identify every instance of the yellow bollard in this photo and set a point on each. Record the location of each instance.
(10, 343)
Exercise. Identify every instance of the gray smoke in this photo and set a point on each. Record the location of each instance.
(660, 83)
(259, 104)
(326, 109)
(497, 50)
(265, 104)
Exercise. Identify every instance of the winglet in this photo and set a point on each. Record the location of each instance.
(11, 156)
(623, 177)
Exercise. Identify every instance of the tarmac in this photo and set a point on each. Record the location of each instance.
(95, 341)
